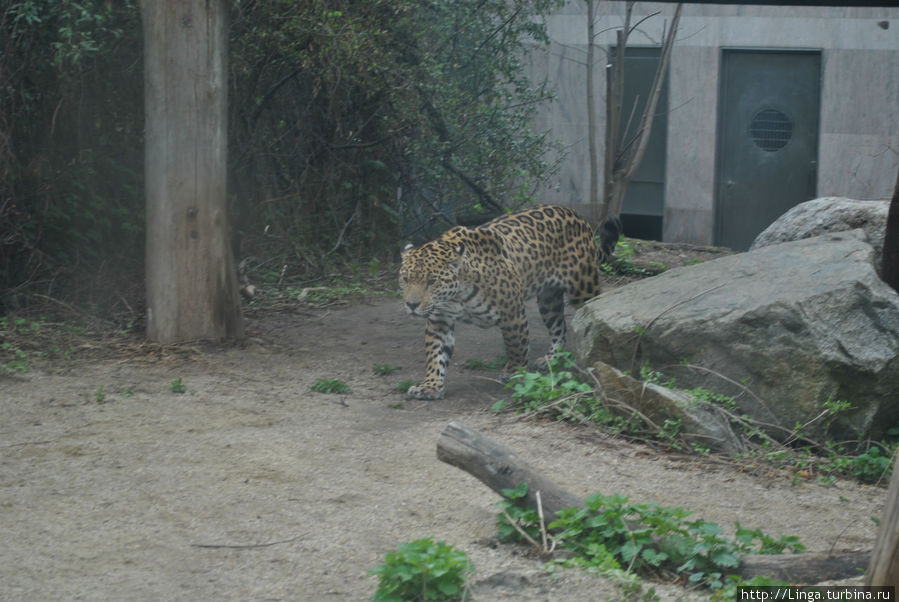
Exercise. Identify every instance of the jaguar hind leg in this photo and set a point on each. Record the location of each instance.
(514, 328)
(551, 302)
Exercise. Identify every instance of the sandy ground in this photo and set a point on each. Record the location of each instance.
(249, 486)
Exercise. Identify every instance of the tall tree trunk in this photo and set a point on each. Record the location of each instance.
(591, 102)
(192, 290)
(614, 101)
(889, 266)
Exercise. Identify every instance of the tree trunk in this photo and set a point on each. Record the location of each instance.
(614, 95)
(884, 567)
(890, 263)
(192, 290)
(499, 468)
(625, 154)
(591, 103)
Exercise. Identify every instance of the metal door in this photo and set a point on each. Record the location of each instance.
(644, 201)
(768, 140)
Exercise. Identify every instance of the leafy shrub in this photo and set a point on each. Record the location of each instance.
(423, 570)
(872, 465)
(532, 390)
(609, 533)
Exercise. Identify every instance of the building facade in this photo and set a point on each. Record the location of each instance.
(765, 107)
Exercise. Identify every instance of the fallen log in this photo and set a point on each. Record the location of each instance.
(805, 569)
(500, 468)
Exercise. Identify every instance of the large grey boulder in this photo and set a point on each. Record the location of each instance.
(785, 328)
(828, 214)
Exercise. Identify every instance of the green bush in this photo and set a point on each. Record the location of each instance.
(423, 570)
(872, 465)
(609, 533)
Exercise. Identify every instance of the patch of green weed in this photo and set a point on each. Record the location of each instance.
(329, 385)
(385, 369)
(403, 385)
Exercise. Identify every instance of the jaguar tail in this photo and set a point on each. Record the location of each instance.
(609, 233)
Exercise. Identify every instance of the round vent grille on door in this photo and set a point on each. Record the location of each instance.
(771, 129)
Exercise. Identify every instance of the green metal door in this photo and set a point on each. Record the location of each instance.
(767, 140)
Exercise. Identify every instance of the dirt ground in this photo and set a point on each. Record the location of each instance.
(249, 486)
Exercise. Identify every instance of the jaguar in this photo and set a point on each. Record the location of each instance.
(484, 275)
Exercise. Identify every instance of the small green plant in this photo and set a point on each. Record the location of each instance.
(671, 430)
(533, 389)
(25, 340)
(100, 396)
(19, 361)
(178, 387)
(329, 385)
(562, 395)
(374, 266)
(623, 263)
(423, 570)
(385, 369)
(655, 377)
(515, 520)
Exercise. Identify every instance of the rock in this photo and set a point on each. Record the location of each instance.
(700, 422)
(784, 329)
(828, 214)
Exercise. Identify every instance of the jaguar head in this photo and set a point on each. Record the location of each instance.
(429, 276)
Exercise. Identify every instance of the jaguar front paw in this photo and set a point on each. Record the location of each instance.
(425, 392)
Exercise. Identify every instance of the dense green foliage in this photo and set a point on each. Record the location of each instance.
(610, 533)
(71, 119)
(351, 125)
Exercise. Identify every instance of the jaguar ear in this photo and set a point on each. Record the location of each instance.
(409, 246)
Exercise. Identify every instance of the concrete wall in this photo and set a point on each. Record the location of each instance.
(859, 119)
